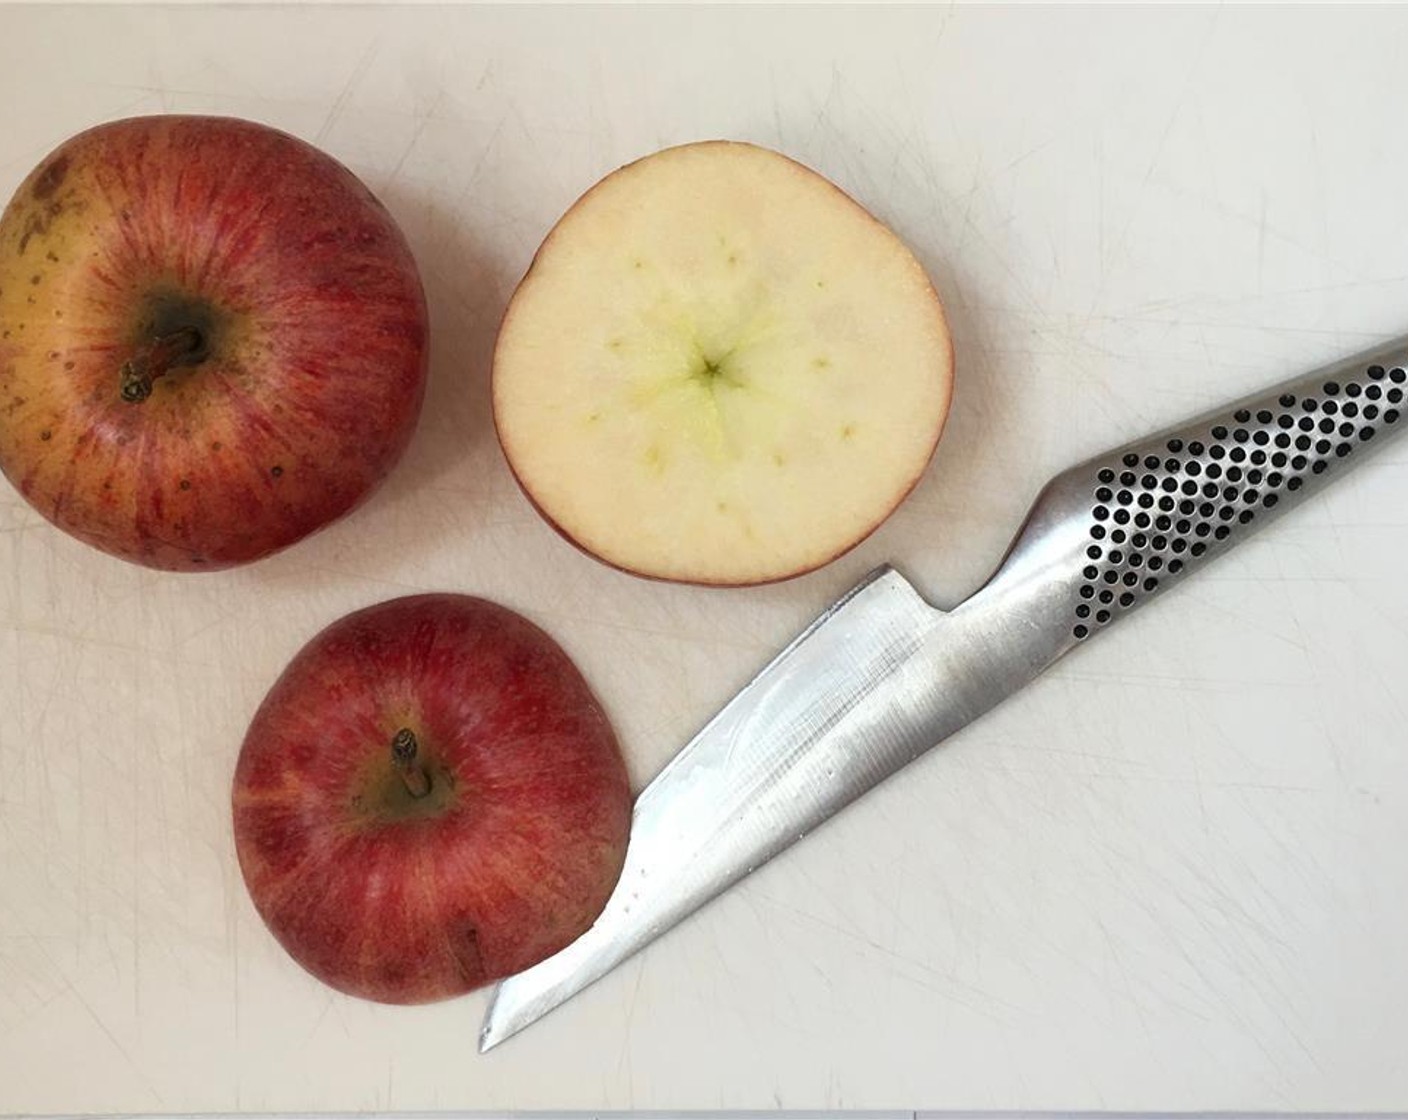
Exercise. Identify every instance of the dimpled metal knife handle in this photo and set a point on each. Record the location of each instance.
(1106, 537)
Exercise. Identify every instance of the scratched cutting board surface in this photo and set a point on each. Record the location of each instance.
(1173, 873)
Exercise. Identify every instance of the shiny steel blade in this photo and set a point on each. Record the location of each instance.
(863, 691)
(882, 676)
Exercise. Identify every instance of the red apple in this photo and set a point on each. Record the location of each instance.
(212, 340)
(429, 799)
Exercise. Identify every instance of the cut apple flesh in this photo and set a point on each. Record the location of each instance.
(720, 369)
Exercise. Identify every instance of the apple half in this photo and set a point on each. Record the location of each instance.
(428, 799)
(720, 369)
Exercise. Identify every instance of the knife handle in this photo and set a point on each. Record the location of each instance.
(1108, 536)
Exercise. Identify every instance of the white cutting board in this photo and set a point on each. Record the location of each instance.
(1173, 873)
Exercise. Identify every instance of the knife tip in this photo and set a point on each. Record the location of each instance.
(488, 1036)
(494, 1030)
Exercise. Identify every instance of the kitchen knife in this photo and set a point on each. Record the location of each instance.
(881, 677)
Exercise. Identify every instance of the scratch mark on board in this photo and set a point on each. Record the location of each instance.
(353, 80)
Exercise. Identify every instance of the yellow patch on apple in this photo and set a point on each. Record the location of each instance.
(720, 369)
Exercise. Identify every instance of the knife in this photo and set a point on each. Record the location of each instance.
(881, 676)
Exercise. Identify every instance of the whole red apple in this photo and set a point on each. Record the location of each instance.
(429, 799)
(212, 340)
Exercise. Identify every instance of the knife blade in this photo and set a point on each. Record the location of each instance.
(881, 677)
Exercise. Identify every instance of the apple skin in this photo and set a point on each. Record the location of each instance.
(510, 853)
(307, 377)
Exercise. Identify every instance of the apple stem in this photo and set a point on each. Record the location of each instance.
(154, 359)
(403, 755)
